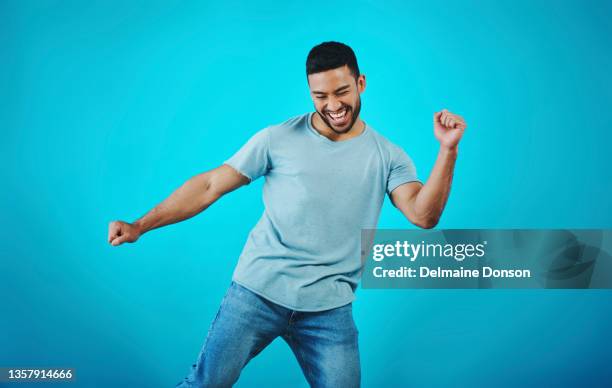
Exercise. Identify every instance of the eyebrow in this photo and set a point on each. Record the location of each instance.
(341, 88)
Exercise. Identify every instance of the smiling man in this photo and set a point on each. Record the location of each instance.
(326, 177)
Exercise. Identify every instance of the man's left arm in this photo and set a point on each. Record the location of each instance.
(423, 204)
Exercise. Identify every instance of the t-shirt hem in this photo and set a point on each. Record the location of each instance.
(399, 183)
(238, 170)
(285, 305)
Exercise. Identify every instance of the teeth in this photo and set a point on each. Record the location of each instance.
(338, 115)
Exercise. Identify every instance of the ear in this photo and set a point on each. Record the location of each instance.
(361, 83)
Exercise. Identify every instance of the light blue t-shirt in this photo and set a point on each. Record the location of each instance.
(304, 253)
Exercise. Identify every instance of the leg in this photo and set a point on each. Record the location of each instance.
(326, 346)
(245, 324)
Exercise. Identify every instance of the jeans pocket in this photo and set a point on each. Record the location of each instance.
(349, 308)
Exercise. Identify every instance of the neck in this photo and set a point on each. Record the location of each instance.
(320, 126)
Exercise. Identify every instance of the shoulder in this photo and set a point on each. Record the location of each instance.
(386, 147)
(288, 129)
(291, 123)
(279, 128)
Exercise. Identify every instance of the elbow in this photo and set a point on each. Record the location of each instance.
(423, 221)
(206, 190)
(427, 223)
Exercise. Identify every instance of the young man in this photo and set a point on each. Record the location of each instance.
(326, 176)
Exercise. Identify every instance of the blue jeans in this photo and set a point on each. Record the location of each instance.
(324, 342)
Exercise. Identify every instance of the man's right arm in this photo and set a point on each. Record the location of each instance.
(191, 198)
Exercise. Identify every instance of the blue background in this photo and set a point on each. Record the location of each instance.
(107, 107)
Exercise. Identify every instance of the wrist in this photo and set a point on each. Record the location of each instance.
(139, 226)
(449, 151)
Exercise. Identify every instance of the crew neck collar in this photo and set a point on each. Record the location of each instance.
(337, 142)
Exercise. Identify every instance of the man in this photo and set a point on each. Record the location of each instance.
(326, 176)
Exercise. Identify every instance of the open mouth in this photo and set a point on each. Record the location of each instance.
(339, 117)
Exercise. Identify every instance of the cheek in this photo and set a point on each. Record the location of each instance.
(349, 102)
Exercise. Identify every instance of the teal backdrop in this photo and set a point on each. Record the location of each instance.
(106, 107)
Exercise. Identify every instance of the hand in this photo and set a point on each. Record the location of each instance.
(448, 128)
(120, 232)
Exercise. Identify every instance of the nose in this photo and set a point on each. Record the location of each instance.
(334, 104)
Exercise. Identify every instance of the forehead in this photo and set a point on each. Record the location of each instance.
(327, 81)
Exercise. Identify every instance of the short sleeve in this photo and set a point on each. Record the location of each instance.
(253, 159)
(402, 170)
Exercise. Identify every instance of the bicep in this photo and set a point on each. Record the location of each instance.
(403, 197)
(224, 179)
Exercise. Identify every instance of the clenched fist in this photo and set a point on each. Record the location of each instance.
(448, 128)
(120, 232)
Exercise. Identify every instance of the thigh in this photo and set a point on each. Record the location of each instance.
(244, 325)
(326, 346)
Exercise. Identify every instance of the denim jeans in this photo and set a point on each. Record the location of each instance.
(324, 342)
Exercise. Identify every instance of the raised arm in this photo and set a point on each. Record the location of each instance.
(195, 195)
(423, 204)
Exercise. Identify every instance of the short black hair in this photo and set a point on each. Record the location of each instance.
(331, 55)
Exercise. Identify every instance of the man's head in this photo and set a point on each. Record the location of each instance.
(335, 85)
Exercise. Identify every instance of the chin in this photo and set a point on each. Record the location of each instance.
(342, 130)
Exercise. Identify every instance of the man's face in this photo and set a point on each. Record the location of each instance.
(336, 96)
